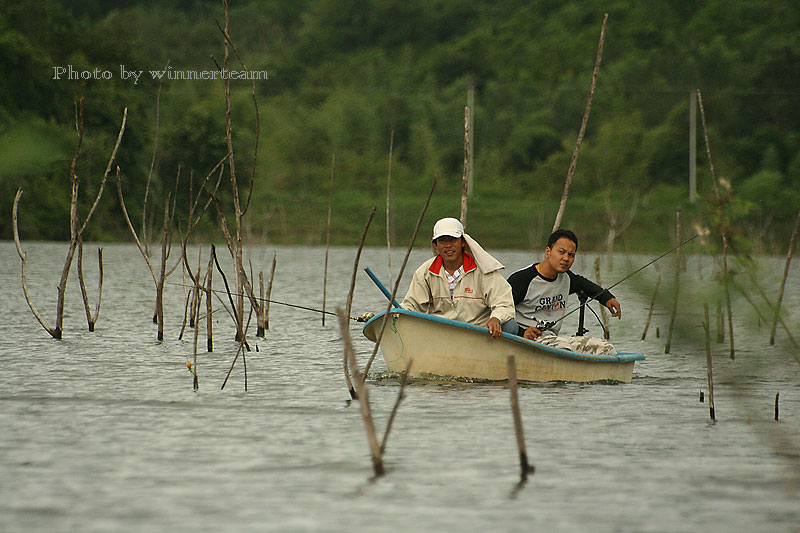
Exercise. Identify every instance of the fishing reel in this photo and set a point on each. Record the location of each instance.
(364, 317)
(542, 325)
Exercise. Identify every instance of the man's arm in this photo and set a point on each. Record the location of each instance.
(580, 284)
(498, 296)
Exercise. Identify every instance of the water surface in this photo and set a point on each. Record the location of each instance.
(103, 432)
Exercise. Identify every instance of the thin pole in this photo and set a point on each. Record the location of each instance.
(723, 223)
(574, 161)
(792, 242)
(652, 306)
(677, 281)
(467, 159)
(525, 467)
(603, 312)
(269, 289)
(471, 106)
(209, 313)
(388, 210)
(692, 147)
(399, 276)
(400, 396)
(328, 239)
(260, 331)
(350, 387)
(362, 394)
(708, 363)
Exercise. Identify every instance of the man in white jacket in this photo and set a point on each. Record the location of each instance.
(462, 282)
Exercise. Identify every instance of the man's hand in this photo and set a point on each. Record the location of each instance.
(495, 329)
(532, 333)
(614, 307)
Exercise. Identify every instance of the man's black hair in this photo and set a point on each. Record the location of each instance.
(559, 233)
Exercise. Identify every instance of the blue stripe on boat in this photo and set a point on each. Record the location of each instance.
(621, 357)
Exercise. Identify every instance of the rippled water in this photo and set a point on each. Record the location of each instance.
(102, 431)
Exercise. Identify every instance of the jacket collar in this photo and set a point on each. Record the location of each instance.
(436, 266)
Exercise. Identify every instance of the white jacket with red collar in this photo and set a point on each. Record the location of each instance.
(477, 297)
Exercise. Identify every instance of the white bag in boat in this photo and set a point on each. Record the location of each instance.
(592, 345)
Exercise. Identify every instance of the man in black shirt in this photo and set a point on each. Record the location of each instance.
(541, 290)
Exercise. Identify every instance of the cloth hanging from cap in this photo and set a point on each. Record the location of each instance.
(454, 228)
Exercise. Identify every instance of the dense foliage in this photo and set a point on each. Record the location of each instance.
(344, 74)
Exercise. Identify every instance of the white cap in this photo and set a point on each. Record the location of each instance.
(448, 226)
(453, 228)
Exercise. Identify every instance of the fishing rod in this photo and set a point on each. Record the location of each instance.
(361, 318)
(551, 324)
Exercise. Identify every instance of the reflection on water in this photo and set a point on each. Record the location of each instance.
(102, 431)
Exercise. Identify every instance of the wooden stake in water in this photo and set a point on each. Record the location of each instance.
(400, 396)
(723, 224)
(652, 306)
(362, 393)
(399, 277)
(708, 363)
(91, 320)
(465, 179)
(677, 282)
(269, 289)
(350, 388)
(574, 161)
(525, 467)
(261, 330)
(603, 313)
(328, 239)
(209, 310)
(792, 242)
(388, 203)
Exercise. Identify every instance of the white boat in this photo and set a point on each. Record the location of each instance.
(444, 348)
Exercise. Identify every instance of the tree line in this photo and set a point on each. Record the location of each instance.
(345, 77)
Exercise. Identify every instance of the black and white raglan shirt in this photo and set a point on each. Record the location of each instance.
(539, 299)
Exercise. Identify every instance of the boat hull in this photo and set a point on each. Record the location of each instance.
(446, 348)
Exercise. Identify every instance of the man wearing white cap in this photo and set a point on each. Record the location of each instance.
(462, 282)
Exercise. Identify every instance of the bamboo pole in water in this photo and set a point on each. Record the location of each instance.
(388, 203)
(241, 351)
(723, 228)
(269, 289)
(350, 388)
(362, 394)
(195, 312)
(185, 314)
(574, 161)
(400, 396)
(399, 277)
(603, 313)
(777, 399)
(792, 242)
(761, 317)
(209, 310)
(652, 306)
(90, 319)
(706, 327)
(328, 240)
(262, 311)
(677, 281)
(525, 467)
(465, 179)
